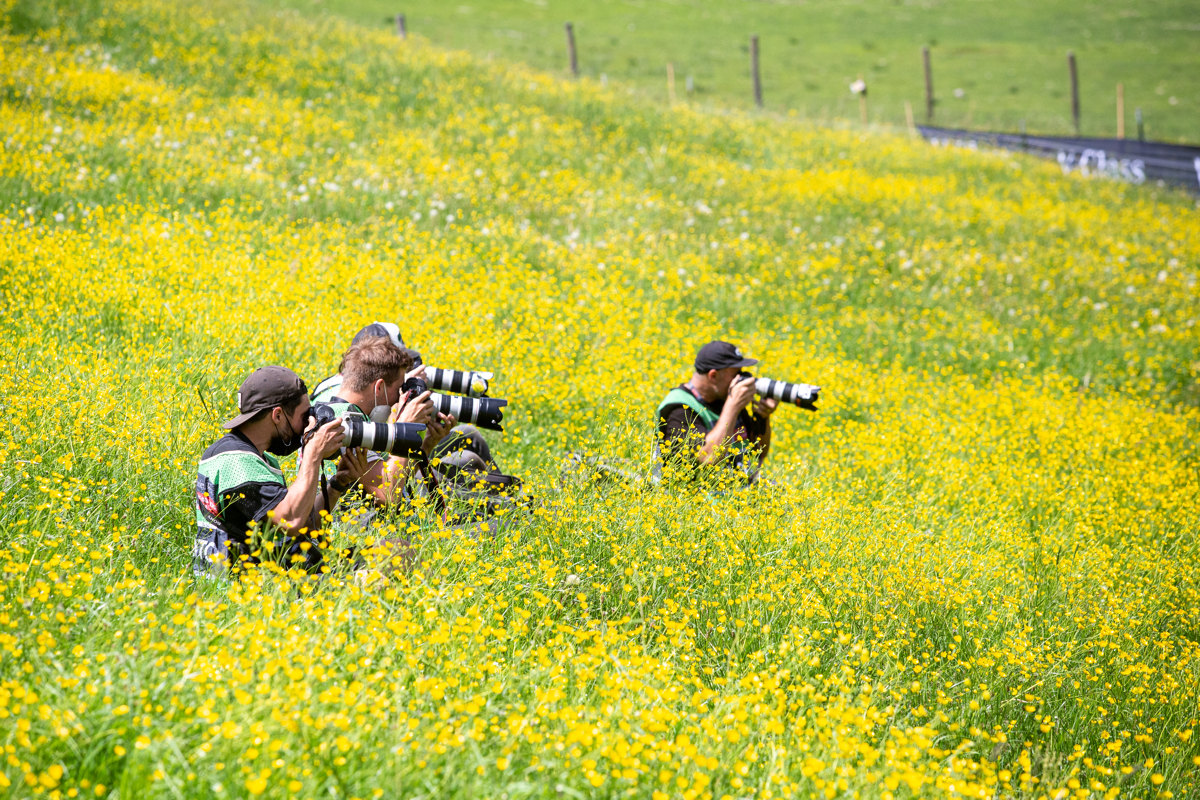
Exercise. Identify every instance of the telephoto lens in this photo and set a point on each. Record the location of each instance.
(801, 394)
(486, 412)
(474, 384)
(397, 438)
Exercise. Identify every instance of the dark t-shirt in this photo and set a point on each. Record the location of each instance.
(681, 427)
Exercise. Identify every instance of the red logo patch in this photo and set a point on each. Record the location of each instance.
(208, 503)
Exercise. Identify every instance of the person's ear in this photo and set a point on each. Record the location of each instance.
(712, 374)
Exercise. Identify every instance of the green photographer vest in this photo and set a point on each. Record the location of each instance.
(327, 389)
(230, 466)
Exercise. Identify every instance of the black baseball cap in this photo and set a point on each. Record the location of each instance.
(720, 355)
(267, 387)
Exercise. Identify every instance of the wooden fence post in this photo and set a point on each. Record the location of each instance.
(1074, 89)
(758, 101)
(1120, 110)
(401, 28)
(671, 83)
(571, 50)
(928, 85)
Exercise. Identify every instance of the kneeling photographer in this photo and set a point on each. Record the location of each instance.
(462, 466)
(245, 510)
(399, 428)
(722, 416)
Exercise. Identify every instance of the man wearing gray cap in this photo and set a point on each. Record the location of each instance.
(706, 422)
(245, 511)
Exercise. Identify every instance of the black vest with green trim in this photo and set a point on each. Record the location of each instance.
(227, 466)
(680, 396)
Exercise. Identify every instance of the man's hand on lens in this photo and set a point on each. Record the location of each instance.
(741, 392)
(418, 372)
(351, 467)
(765, 406)
(413, 409)
(436, 430)
(328, 439)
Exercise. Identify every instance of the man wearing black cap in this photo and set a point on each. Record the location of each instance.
(240, 488)
(705, 421)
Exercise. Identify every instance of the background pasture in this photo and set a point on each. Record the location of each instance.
(972, 573)
(996, 66)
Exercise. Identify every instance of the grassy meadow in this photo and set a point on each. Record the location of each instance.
(973, 573)
(996, 66)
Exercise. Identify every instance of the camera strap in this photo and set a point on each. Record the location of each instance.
(432, 487)
(325, 493)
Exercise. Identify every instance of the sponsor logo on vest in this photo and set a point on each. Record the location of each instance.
(208, 503)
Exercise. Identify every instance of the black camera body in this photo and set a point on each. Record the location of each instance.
(414, 386)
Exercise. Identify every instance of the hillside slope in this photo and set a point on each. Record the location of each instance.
(973, 572)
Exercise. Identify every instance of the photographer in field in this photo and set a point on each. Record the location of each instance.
(706, 422)
(245, 510)
(462, 450)
(371, 376)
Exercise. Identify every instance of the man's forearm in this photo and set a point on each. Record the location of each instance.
(294, 510)
(717, 436)
(392, 475)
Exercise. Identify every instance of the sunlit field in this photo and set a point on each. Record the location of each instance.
(972, 573)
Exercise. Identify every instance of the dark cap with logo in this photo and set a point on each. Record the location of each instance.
(267, 387)
(720, 355)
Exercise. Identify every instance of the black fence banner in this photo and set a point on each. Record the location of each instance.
(1123, 159)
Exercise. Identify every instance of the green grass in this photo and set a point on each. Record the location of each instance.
(995, 65)
(982, 547)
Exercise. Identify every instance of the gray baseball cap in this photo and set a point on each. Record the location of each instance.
(267, 387)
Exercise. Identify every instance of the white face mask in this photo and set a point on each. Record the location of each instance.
(380, 413)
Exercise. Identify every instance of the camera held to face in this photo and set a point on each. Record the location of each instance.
(486, 412)
(801, 394)
(396, 438)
